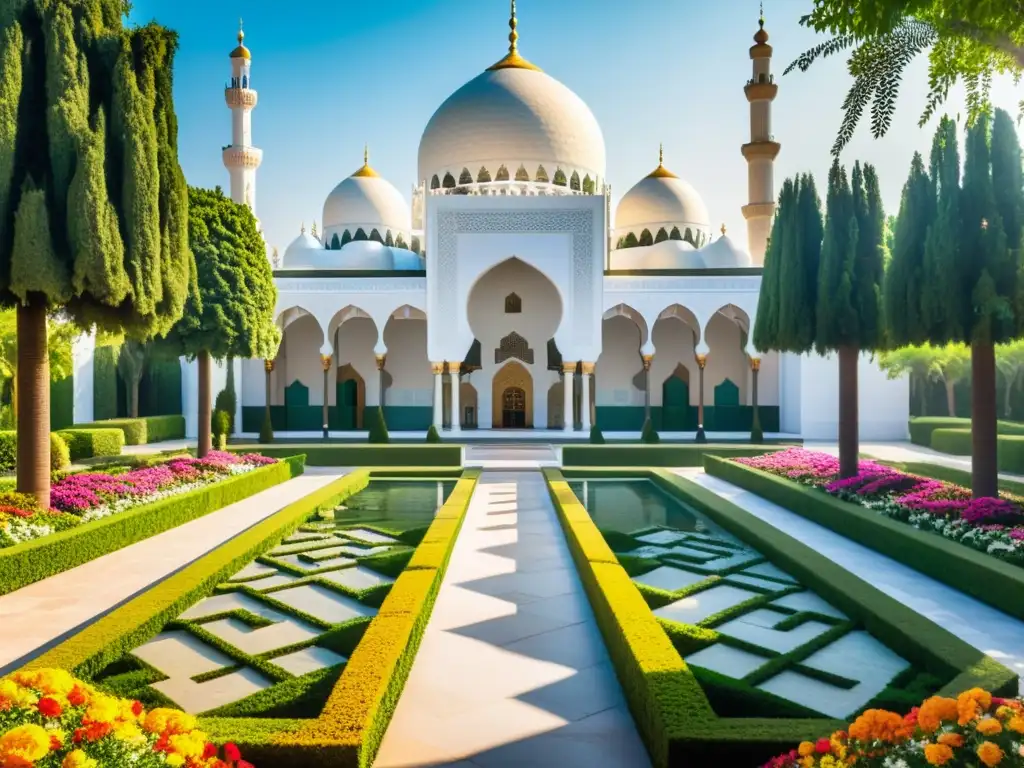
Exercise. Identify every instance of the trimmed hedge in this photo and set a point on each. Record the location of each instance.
(361, 455)
(672, 711)
(661, 455)
(88, 442)
(967, 570)
(351, 724)
(143, 430)
(921, 428)
(31, 561)
(958, 442)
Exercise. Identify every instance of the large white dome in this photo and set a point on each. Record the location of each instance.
(512, 115)
(365, 201)
(662, 200)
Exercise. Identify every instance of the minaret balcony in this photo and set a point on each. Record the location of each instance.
(240, 97)
(761, 149)
(757, 91)
(242, 157)
(758, 210)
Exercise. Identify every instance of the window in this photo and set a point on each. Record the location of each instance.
(513, 304)
(484, 176)
(465, 177)
(542, 174)
(435, 183)
(516, 346)
(574, 182)
(588, 185)
(502, 174)
(449, 181)
(559, 178)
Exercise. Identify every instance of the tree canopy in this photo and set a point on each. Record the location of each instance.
(231, 314)
(966, 40)
(92, 199)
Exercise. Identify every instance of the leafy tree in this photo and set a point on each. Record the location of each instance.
(951, 365)
(131, 364)
(966, 40)
(92, 199)
(1010, 365)
(849, 301)
(231, 311)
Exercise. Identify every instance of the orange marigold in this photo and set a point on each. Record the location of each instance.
(938, 754)
(971, 704)
(990, 754)
(1016, 723)
(951, 740)
(989, 727)
(936, 711)
(878, 725)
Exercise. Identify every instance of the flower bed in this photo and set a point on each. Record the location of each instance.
(47, 717)
(87, 496)
(994, 526)
(975, 728)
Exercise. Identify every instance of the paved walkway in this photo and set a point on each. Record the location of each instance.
(512, 670)
(38, 616)
(987, 629)
(512, 456)
(907, 451)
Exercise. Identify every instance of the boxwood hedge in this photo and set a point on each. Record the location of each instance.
(145, 429)
(88, 442)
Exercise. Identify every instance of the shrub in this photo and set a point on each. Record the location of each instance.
(86, 443)
(221, 428)
(649, 434)
(378, 427)
(147, 429)
(227, 401)
(266, 429)
(432, 436)
(8, 450)
(60, 455)
(596, 438)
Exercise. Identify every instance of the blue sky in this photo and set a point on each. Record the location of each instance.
(335, 74)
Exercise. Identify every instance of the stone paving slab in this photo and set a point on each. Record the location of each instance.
(37, 616)
(512, 670)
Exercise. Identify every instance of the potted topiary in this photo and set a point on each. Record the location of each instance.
(378, 428)
(649, 435)
(596, 438)
(432, 436)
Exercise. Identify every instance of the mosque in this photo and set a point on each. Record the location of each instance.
(507, 296)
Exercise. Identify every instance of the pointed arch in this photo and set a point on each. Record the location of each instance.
(542, 175)
(360, 234)
(646, 238)
(675, 234)
(346, 238)
(414, 244)
(630, 241)
(483, 176)
(559, 178)
(502, 174)
(448, 182)
(662, 236)
(574, 181)
(389, 240)
(515, 346)
(588, 185)
(435, 183)
(522, 174)
(465, 177)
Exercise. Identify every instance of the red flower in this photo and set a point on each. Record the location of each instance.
(245, 764)
(231, 752)
(49, 707)
(136, 708)
(823, 746)
(209, 751)
(76, 698)
(55, 743)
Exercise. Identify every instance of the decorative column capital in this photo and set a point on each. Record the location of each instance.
(648, 359)
(381, 359)
(268, 366)
(325, 361)
(588, 368)
(568, 367)
(755, 364)
(702, 360)
(437, 368)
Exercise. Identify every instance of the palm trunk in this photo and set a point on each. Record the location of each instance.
(951, 397)
(205, 415)
(848, 435)
(984, 441)
(33, 385)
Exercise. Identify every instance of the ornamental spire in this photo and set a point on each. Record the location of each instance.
(661, 172)
(513, 36)
(366, 171)
(512, 59)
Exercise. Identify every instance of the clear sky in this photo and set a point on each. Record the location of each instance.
(335, 74)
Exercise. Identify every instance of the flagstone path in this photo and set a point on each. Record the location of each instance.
(512, 670)
(38, 616)
(985, 628)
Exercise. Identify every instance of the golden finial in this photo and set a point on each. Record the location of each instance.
(366, 154)
(241, 52)
(512, 59)
(760, 16)
(761, 37)
(366, 171)
(661, 172)
(241, 33)
(723, 229)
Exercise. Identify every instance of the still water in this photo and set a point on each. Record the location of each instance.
(395, 503)
(630, 505)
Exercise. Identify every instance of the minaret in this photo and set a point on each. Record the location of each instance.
(762, 149)
(241, 158)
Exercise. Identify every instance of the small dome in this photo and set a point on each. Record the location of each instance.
(723, 253)
(364, 254)
(407, 260)
(659, 200)
(668, 254)
(367, 201)
(241, 52)
(304, 252)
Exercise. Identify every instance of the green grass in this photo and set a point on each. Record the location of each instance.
(661, 455)
(363, 455)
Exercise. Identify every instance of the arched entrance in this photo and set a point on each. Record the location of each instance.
(350, 396)
(675, 401)
(512, 397)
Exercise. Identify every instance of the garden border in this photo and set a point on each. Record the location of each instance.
(440, 455)
(38, 559)
(975, 573)
(662, 455)
(351, 725)
(672, 712)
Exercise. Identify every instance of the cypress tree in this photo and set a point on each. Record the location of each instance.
(798, 285)
(904, 295)
(766, 323)
(92, 199)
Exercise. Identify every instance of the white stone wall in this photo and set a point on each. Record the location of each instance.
(673, 340)
(354, 342)
(411, 379)
(299, 360)
(726, 360)
(619, 363)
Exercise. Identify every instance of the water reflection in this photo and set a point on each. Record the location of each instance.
(399, 503)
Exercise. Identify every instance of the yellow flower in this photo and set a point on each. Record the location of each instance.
(807, 762)
(188, 744)
(970, 704)
(52, 682)
(828, 761)
(805, 748)
(989, 727)
(29, 742)
(13, 694)
(175, 760)
(990, 754)
(103, 709)
(169, 721)
(78, 759)
(938, 754)
(1016, 724)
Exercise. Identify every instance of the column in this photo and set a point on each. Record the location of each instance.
(381, 360)
(648, 359)
(268, 367)
(568, 371)
(325, 362)
(756, 434)
(702, 360)
(588, 371)
(438, 370)
(455, 376)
